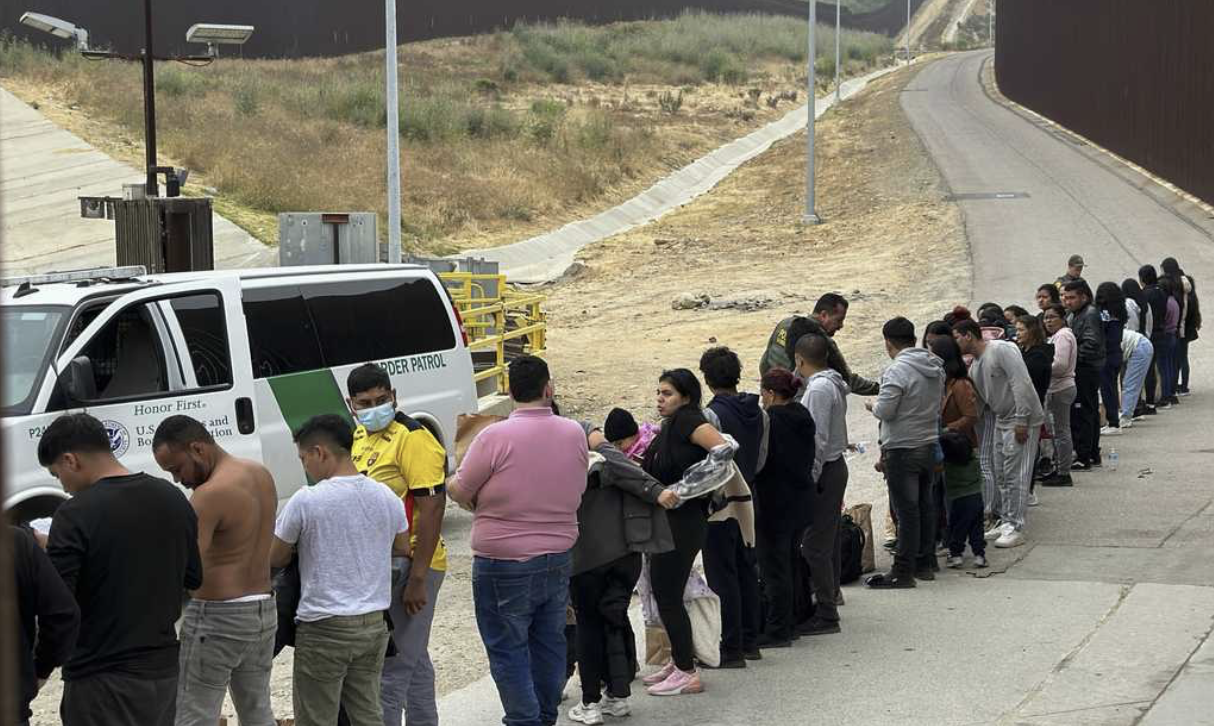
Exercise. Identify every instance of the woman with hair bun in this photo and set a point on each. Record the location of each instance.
(686, 438)
(782, 498)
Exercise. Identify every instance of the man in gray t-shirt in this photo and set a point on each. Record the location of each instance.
(345, 529)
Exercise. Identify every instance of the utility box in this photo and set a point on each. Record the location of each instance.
(327, 238)
(163, 234)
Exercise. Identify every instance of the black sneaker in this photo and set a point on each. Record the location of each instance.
(890, 581)
(752, 653)
(817, 626)
(1060, 480)
(925, 573)
(1152, 411)
(1081, 466)
(768, 641)
(1096, 463)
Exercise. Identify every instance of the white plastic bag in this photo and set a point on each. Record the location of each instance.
(706, 476)
(703, 608)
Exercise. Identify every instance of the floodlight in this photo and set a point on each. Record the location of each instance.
(58, 28)
(214, 34)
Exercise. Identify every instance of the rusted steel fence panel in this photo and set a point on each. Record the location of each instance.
(1134, 76)
(296, 28)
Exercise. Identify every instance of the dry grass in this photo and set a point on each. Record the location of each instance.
(492, 147)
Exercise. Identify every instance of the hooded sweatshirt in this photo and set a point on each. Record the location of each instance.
(1002, 380)
(741, 417)
(826, 398)
(782, 487)
(908, 405)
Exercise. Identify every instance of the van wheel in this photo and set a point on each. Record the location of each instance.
(32, 509)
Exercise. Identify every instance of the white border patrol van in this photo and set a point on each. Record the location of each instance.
(252, 354)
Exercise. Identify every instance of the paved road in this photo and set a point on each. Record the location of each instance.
(1105, 617)
(43, 169)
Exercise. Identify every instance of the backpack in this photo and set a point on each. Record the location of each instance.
(851, 550)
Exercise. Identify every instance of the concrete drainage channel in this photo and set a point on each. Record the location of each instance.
(548, 256)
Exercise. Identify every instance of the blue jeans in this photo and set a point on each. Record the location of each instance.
(520, 612)
(1167, 366)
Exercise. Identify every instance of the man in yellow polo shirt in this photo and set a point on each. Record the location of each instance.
(396, 450)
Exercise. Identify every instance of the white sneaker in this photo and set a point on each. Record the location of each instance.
(994, 532)
(955, 563)
(980, 561)
(1127, 422)
(1033, 500)
(589, 713)
(1110, 431)
(617, 707)
(1011, 538)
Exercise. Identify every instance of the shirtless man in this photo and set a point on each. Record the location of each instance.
(227, 631)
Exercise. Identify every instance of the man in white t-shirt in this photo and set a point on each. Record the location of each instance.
(346, 528)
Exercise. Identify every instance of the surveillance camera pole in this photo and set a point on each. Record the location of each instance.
(811, 214)
(149, 103)
(392, 102)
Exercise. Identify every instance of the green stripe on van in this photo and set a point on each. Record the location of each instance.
(301, 396)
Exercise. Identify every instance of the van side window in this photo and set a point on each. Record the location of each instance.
(131, 356)
(282, 338)
(202, 322)
(127, 356)
(379, 319)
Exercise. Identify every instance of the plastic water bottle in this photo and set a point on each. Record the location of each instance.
(1113, 459)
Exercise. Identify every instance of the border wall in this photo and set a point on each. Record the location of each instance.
(302, 28)
(1134, 76)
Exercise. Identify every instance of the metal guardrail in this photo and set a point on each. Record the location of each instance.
(501, 323)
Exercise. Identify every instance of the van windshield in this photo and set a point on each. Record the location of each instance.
(29, 334)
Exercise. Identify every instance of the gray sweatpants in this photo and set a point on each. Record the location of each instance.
(1058, 409)
(226, 646)
(408, 677)
(1010, 464)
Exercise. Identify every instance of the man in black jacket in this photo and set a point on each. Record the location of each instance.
(49, 618)
(127, 546)
(1084, 320)
(1157, 300)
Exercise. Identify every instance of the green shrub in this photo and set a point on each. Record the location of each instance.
(547, 118)
(595, 132)
(246, 99)
(670, 102)
(490, 123)
(358, 103)
(175, 82)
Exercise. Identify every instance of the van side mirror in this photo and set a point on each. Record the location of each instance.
(77, 380)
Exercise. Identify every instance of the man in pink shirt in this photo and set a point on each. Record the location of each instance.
(524, 478)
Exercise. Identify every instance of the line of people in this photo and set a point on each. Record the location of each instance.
(571, 512)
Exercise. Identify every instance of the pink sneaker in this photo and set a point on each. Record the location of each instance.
(679, 683)
(655, 678)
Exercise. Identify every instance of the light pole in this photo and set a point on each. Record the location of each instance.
(990, 22)
(392, 100)
(908, 31)
(838, 52)
(811, 216)
(211, 34)
(149, 102)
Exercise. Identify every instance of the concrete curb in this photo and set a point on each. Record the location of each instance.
(547, 256)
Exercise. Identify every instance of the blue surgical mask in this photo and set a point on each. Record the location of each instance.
(377, 418)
